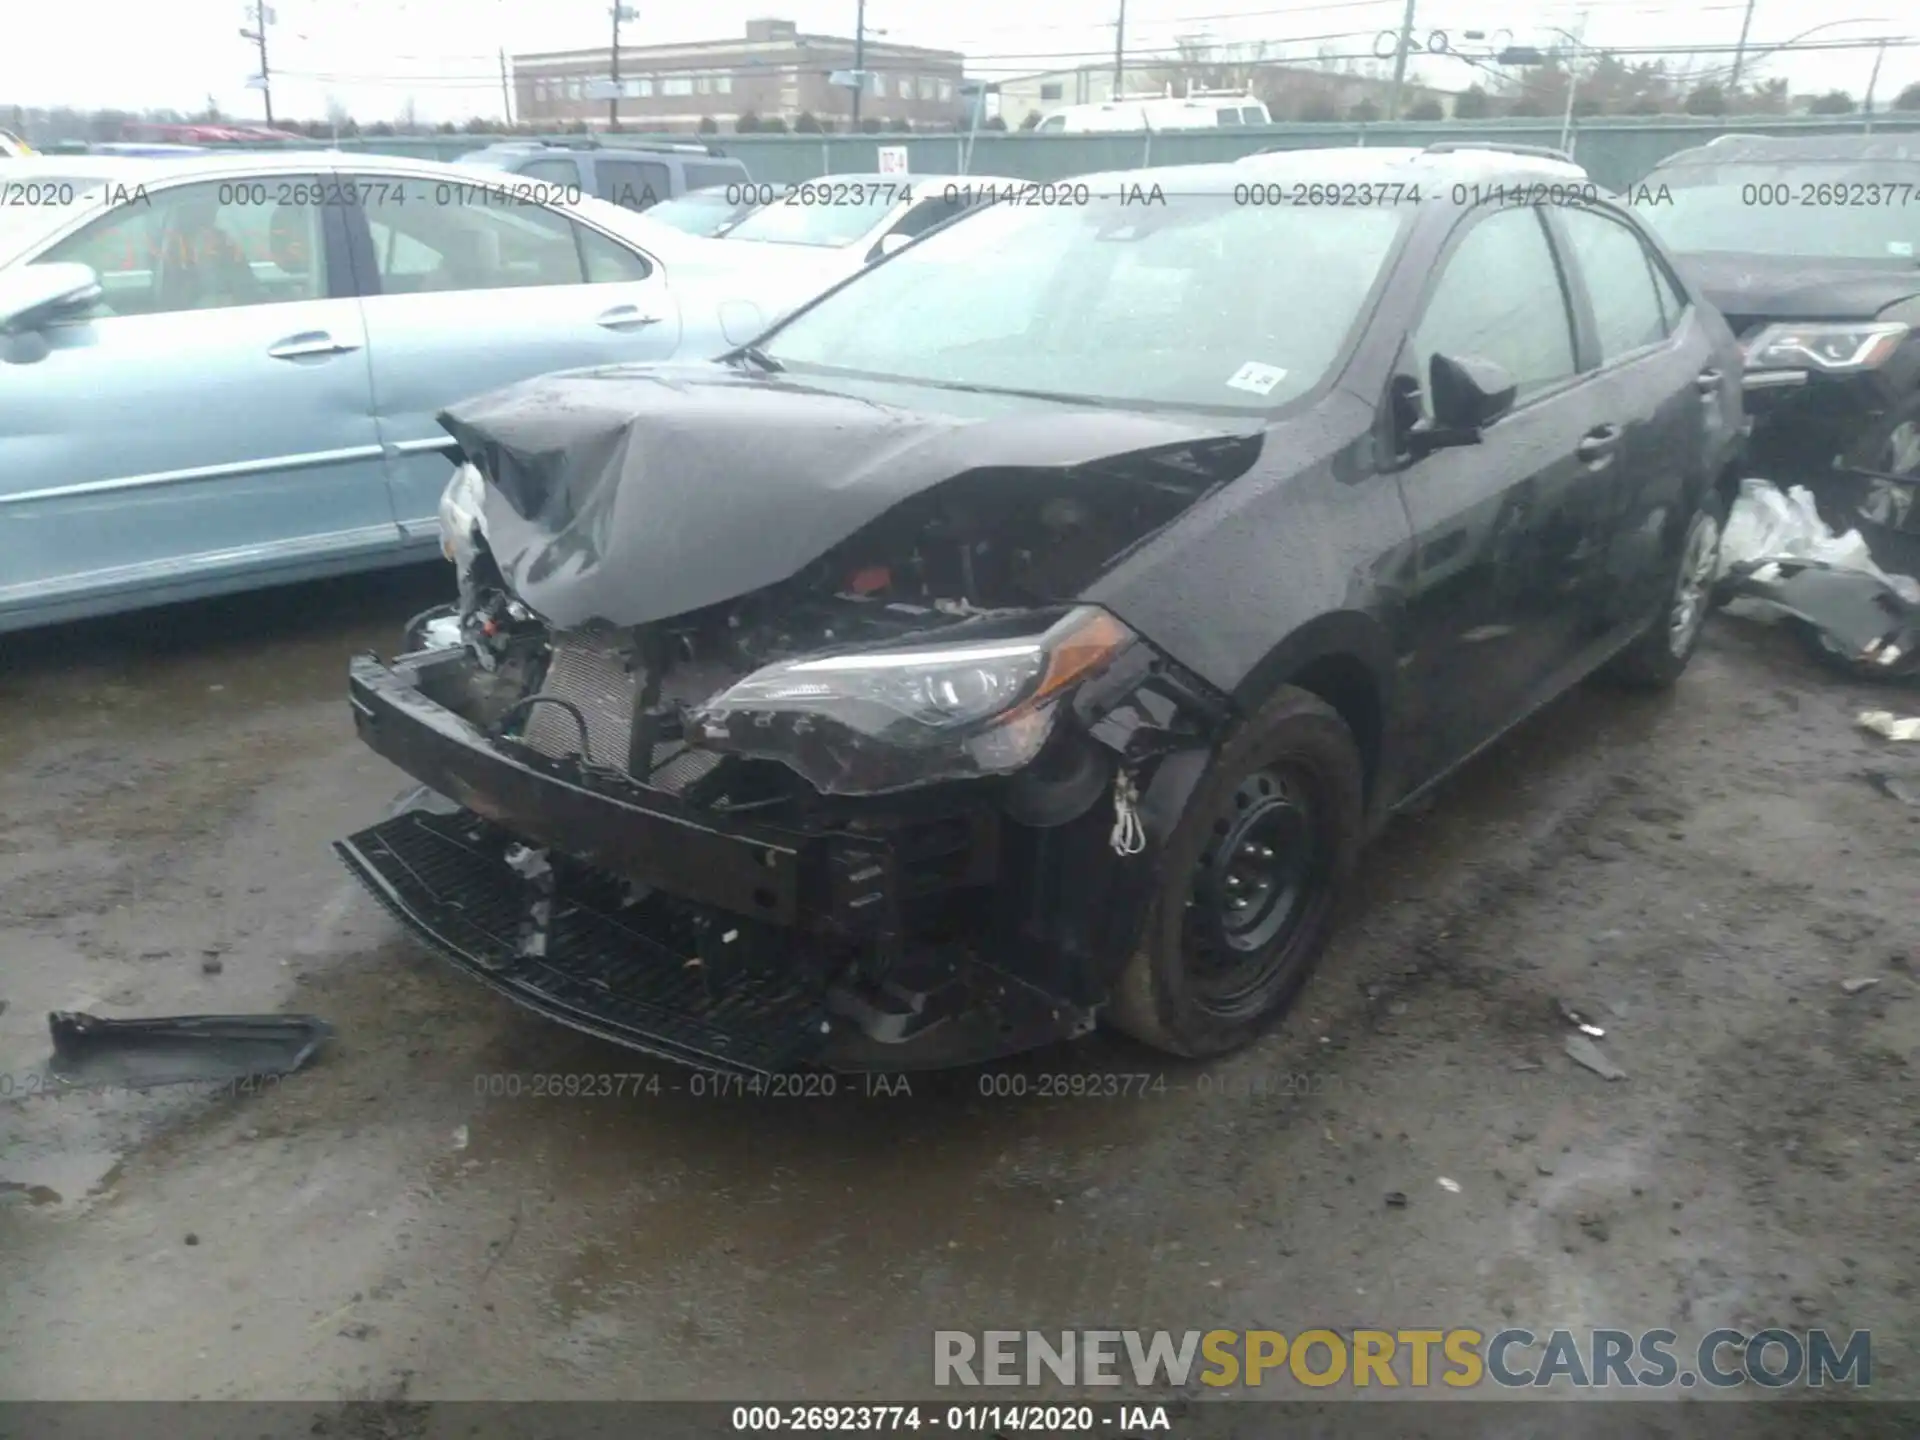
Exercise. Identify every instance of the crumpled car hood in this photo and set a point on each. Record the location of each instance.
(630, 494)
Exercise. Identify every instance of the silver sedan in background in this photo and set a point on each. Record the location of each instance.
(224, 371)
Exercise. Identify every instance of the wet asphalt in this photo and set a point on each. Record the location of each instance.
(1699, 873)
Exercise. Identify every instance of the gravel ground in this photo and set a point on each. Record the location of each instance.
(1700, 873)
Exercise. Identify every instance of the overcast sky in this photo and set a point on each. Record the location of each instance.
(374, 56)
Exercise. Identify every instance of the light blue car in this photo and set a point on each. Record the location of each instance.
(222, 372)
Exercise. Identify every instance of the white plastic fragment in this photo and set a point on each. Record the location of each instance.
(1765, 524)
(1452, 1187)
(1886, 723)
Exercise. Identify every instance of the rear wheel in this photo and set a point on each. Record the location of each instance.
(1659, 657)
(1250, 877)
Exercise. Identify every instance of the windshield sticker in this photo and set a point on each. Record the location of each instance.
(1258, 378)
(1902, 248)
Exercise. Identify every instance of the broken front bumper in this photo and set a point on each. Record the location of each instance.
(765, 980)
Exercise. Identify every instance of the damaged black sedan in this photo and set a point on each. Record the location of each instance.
(1030, 631)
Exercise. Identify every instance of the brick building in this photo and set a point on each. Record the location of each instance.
(773, 71)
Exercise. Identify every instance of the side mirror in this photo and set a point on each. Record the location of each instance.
(890, 243)
(1469, 394)
(34, 295)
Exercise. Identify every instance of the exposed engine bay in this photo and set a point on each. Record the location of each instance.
(990, 557)
(875, 811)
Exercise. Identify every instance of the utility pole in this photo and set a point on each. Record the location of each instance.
(506, 91)
(1120, 52)
(1866, 106)
(262, 17)
(1400, 62)
(1573, 81)
(1740, 50)
(620, 12)
(859, 60)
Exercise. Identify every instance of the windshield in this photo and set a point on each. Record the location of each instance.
(698, 214)
(490, 159)
(838, 214)
(1195, 302)
(1832, 211)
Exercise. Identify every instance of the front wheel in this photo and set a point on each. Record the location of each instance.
(1659, 656)
(1250, 877)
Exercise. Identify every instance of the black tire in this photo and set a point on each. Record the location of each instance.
(1659, 656)
(1291, 772)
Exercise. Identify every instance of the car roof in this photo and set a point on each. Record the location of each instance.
(661, 240)
(1897, 149)
(1393, 163)
(1374, 166)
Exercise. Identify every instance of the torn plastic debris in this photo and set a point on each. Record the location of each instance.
(1886, 723)
(1778, 559)
(90, 1052)
(533, 867)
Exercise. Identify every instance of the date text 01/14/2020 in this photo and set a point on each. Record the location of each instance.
(955, 1419)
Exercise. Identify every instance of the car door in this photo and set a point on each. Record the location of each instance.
(211, 417)
(1658, 378)
(1500, 528)
(468, 288)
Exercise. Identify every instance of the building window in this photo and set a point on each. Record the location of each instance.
(702, 85)
(876, 83)
(1050, 92)
(630, 88)
(677, 85)
(723, 84)
(573, 89)
(646, 86)
(946, 89)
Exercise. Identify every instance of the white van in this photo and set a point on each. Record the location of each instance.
(1196, 110)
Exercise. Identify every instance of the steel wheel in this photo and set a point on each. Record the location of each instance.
(1262, 871)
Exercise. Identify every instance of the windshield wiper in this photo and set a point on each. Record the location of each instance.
(760, 358)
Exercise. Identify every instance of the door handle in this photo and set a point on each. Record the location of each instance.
(313, 342)
(1708, 382)
(1598, 443)
(626, 317)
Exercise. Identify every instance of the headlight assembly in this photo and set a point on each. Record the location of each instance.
(460, 513)
(1835, 348)
(869, 721)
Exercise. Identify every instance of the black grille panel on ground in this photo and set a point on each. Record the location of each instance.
(445, 877)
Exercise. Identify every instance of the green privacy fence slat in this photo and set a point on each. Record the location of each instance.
(1616, 151)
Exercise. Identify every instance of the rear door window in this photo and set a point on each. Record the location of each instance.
(1620, 281)
(632, 184)
(557, 169)
(430, 236)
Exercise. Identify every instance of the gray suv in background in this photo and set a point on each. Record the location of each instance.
(637, 176)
